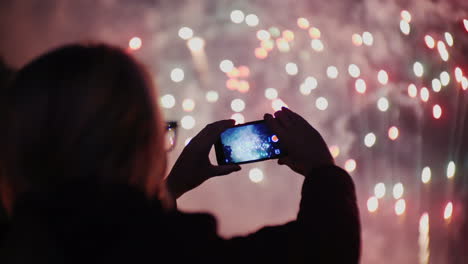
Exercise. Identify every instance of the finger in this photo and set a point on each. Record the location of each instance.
(274, 125)
(284, 119)
(210, 134)
(224, 169)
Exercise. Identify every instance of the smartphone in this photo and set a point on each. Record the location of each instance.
(246, 143)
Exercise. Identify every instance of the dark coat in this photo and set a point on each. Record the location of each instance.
(85, 223)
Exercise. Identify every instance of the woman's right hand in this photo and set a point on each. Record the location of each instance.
(304, 146)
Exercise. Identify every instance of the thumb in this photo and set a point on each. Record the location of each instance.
(224, 169)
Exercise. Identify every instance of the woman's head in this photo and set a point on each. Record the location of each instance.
(82, 113)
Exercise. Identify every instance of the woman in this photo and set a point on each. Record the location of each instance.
(82, 167)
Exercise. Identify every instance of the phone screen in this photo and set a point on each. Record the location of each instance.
(246, 143)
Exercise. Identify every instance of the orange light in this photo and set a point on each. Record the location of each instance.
(356, 39)
(393, 133)
(335, 151)
(234, 73)
(314, 33)
(232, 84)
(243, 87)
(267, 44)
(261, 53)
(288, 35)
(274, 138)
(303, 23)
(244, 71)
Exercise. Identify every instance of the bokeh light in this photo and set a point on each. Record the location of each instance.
(379, 190)
(451, 169)
(398, 190)
(271, 93)
(177, 75)
(370, 139)
(256, 175)
(412, 90)
(237, 16)
(277, 104)
(448, 211)
(291, 68)
(317, 45)
(393, 133)
(212, 96)
(196, 44)
(400, 207)
(185, 33)
(135, 43)
(382, 76)
(367, 38)
(321, 103)
(303, 23)
(360, 86)
(188, 105)
(383, 104)
(372, 204)
(335, 151)
(437, 111)
(239, 118)
(187, 122)
(350, 165)
(332, 72)
(168, 101)
(354, 70)
(418, 69)
(237, 105)
(426, 175)
(252, 20)
(430, 42)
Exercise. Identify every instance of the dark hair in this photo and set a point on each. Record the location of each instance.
(82, 113)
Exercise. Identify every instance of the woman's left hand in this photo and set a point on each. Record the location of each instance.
(193, 166)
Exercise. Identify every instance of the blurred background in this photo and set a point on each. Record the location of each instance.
(385, 82)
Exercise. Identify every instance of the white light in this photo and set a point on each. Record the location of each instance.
(451, 169)
(369, 140)
(367, 38)
(317, 45)
(321, 103)
(444, 78)
(177, 75)
(400, 207)
(437, 111)
(405, 27)
(277, 104)
(271, 93)
(226, 66)
(393, 133)
(360, 86)
(212, 96)
(464, 82)
(237, 105)
(426, 175)
(354, 70)
(448, 211)
(383, 104)
(350, 165)
(168, 101)
(412, 91)
(429, 41)
(398, 190)
(251, 20)
(185, 33)
(444, 55)
(448, 39)
(237, 16)
(256, 175)
(188, 122)
(405, 16)
(379, 190)
(436, 85)
(291, 68)
(372, 204)
(309, 84)
(332, 72)
(187, 141)
(196, 44)
(418, 69)
(263, 35)
(238, 117)
(188, 105)
(135, 43)
(382, 76)
(424, 94)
